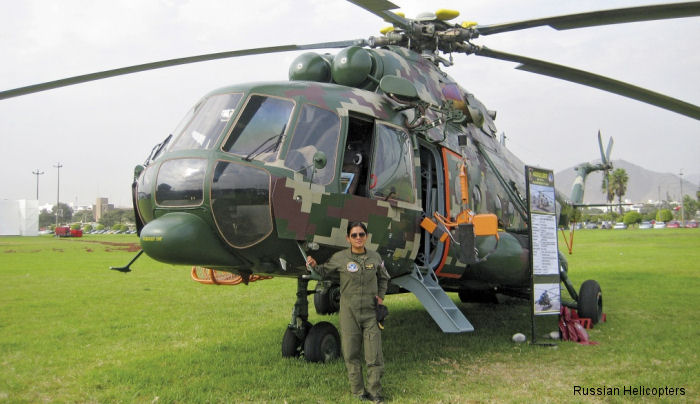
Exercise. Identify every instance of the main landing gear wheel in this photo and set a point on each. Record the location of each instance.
(590, 301)
(327, 302)
(322, 343)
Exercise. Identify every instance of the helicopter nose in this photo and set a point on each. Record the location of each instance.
(184, 239)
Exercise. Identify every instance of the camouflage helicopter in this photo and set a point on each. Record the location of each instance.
(257, 175)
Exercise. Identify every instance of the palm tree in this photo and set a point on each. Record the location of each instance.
(607, 187)
(619, 179)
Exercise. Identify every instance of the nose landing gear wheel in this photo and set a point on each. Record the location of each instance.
(322, 344)
(292, 345)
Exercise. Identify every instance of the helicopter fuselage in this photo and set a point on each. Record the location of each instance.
(257, 171)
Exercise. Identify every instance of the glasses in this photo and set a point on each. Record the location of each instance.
(356, 235)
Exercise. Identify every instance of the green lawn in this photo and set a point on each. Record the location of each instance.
(73, 331)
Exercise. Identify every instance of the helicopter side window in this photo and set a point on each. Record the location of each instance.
(260, 127)
(203, 125)
(317, 129)
(392, 169)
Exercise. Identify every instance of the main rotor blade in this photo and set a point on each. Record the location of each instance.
(602, 17)
(608, 150)
(381, 8)
(603, 160)
(169, 63)
(594, 80)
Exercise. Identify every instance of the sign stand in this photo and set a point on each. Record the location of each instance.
(545, 299)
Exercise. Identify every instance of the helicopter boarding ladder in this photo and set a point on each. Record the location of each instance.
(423, 283)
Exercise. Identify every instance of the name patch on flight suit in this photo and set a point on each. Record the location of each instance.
(352, 267)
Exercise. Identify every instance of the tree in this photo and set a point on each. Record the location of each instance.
(117, 216)
(84, 216)
(46, 219)
(619, 180)
(649, 215)
(607, 188)
(569, 214)
(690, 207)
(632, 217)
(664, 215)
(66, 213)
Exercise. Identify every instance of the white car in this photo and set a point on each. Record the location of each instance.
(659, 225)
(620, 225)
(645, 225)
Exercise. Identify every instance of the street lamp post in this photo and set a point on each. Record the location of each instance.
(37, 173)
(58, 188)
(682, 211)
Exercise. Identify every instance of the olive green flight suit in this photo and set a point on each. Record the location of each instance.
(362, 277)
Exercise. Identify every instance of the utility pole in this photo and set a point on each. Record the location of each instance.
(37, 173)
(682, 211)
(58, 188)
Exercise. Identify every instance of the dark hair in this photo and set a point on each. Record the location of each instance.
(351, 225)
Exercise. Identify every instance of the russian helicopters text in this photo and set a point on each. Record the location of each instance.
(258, 174)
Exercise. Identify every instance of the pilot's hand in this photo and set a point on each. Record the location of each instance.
(310, 261)
(379, 300)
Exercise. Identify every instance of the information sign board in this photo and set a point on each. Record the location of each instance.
(544, 253)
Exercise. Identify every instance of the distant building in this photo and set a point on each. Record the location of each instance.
(101, 207)
(80, 208)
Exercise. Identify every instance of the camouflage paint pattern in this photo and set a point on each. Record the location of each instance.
(309, 213)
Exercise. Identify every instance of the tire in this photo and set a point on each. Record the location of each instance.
(590, 301)
(328, 301)
(322, 302)
(291, 344)
(322, 343)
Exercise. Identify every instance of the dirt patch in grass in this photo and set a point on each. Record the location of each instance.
(130, 247)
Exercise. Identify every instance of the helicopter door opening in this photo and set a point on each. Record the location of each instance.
(353, 177)
(433, 200)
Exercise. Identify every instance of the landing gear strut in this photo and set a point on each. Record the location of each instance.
(318, 343)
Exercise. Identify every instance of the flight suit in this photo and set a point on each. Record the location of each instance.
(362, 277)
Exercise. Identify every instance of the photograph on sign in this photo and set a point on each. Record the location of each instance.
(542, 199)
(547, 298)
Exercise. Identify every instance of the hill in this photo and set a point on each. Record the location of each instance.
(643, 185)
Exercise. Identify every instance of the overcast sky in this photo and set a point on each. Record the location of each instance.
(100, 130)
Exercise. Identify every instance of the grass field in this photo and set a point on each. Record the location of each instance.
(73, 331)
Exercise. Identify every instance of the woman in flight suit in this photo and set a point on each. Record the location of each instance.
(363, 283)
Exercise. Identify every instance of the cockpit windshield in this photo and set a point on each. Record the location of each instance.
(260, 127)
(203, 125)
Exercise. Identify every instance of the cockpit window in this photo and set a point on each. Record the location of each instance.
(260, 127)
(203, 125)
(317, 130)
(180, 182)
